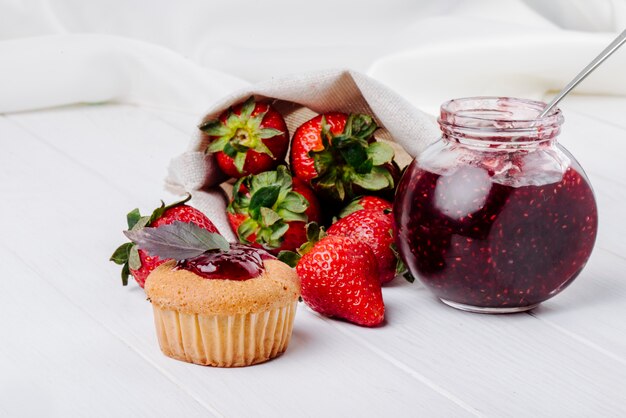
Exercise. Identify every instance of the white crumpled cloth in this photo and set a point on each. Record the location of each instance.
(196, 55)
(187, 54)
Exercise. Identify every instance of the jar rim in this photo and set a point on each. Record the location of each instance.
(492, 121)
(494, 112)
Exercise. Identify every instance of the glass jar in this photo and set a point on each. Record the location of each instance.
(496, 216)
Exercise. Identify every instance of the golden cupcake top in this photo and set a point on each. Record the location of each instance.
(208, 275)
(174, 288)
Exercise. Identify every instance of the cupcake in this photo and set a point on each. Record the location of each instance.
(224, 305)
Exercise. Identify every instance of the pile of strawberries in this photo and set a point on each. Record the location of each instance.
(338, 177)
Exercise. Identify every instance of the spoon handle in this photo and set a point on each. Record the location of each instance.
(619, 41)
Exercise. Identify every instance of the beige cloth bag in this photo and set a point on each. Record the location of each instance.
(299, 98)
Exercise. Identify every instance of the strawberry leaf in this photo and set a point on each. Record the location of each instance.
(232, 119)
(377, 179)
(247, 228)
(323, 160)
(400, 266)
(267, 133)
(264, 235)
(141, 223)
(254, 123)
(283, 176)
(365, 167)
(277, 233)
(121, 254)
(364, 126)
(247, 108)
(133, 217)
(238, 133)
(354, 154)
(269, 217)
(380, 153)
(351, 208)
(125, 274)
(341, 190)
(240, 161)
(263, 149)
(289, 216)
(178, 240)
(257, 182)
(326, 134)
(229, 149)
(158, 212)
(351, 158)
(290, 258)
(314, 232)
(294, 202)
(264, 197)
(214, 128)
(134, 262)
(218, 145)
(269, 203)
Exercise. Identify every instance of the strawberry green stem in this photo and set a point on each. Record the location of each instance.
(352, 158)
(314, 233)
(239, 133)
(269, 203)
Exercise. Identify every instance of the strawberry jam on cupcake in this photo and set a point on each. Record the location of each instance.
(216, 303)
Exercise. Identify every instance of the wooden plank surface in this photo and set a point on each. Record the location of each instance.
(76, 171)
(58, 360)
(313, 369)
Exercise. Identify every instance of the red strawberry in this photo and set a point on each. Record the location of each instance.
(365, 202)
(374, 228)
(136, 261)
(271, 210)
(248, 138)
(338, 279)
(338, 156)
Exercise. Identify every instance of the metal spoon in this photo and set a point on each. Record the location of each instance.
(614, 46)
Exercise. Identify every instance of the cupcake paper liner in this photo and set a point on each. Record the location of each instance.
(225, 340)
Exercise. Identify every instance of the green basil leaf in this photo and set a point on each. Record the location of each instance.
(178, 240)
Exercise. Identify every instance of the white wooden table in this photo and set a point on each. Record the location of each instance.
(74, 342)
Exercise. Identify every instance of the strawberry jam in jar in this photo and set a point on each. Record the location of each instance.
(496, 216)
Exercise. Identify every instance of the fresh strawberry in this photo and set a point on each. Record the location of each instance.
(338, 279)
(271, 210)
(338, 156)
(374, 228)
(248, 138)
(136, 261)
(365, 202)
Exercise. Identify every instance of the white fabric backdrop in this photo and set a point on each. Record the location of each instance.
(186, 54)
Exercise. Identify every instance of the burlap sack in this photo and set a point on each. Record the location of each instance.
(298, 98)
